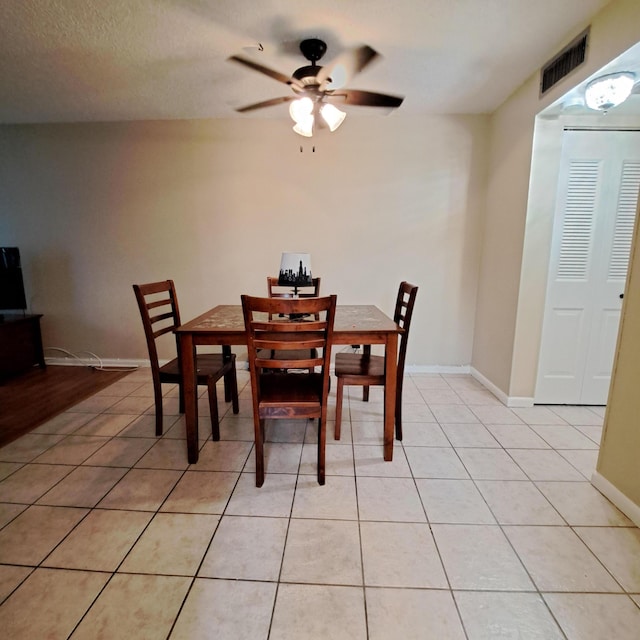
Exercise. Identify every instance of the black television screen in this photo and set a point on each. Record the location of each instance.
(11, 284)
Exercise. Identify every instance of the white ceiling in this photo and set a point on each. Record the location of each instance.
(109, 60)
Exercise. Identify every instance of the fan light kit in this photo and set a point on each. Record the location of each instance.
(317, 88)
(606, 92)
(302, 112)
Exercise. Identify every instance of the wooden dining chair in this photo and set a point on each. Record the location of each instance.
(160, 313)
(365, 370)
(274, 290)
(277, 392)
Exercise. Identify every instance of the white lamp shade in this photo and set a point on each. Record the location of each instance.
(301, 109)
(332, 116)
(304, 127)
(295, 269)
(608, 91)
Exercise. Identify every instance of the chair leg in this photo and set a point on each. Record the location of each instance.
(399, 412)
(365, 394)
(213, 410)
(233, 389)
(322, 437)
(338, 423)
(157, 394)
(259, 440)
(181, 398)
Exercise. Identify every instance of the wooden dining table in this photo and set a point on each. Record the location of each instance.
(224, 325)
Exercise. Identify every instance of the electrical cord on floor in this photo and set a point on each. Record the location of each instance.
(99, 367)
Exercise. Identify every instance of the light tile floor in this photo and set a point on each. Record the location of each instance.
(484, 525)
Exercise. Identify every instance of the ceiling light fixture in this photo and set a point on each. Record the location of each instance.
(302, 113)
(332, 116)
(609, 91)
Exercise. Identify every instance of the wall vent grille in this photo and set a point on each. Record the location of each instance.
(571, 57)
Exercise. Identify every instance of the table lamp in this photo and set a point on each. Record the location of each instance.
(295, 271)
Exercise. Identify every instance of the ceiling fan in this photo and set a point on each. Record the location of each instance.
(317, 89)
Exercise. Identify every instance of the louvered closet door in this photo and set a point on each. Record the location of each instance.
(595, 212)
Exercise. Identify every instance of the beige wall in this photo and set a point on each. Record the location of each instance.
(212, 204)
(620, 448)
(514, 256)
(508, 166)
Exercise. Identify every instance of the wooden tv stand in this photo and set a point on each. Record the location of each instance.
(20, 343)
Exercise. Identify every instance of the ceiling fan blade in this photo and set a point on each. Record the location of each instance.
(337, 73)
(266, 103)
(365, 98)
(276, 75)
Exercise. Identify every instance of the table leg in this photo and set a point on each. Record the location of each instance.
(390, 381)
(189, 388)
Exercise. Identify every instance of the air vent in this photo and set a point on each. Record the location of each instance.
(571, 57)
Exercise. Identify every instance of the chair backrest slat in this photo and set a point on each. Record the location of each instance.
(162, 316)
(161, 332)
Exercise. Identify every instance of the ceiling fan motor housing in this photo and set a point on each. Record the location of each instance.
(307, 75)
(313, 49)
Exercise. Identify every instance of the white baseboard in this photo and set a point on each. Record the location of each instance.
(498, 393)
(436, 368)
(519, 402)
(627, 506)
(241, 365)
(109, 363)
(452, 369)
(508, 401)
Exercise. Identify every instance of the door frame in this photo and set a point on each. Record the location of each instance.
(537, 236)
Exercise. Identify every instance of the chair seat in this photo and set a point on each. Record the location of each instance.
(295, 390)
(208, 364)
(368, 369)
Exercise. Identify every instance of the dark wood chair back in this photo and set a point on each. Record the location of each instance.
(367, 370)
(402, 317)
(275, 290)
(160, 314)
(280, 327)
(158, 304)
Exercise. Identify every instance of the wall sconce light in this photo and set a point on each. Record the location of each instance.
(606, 92)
